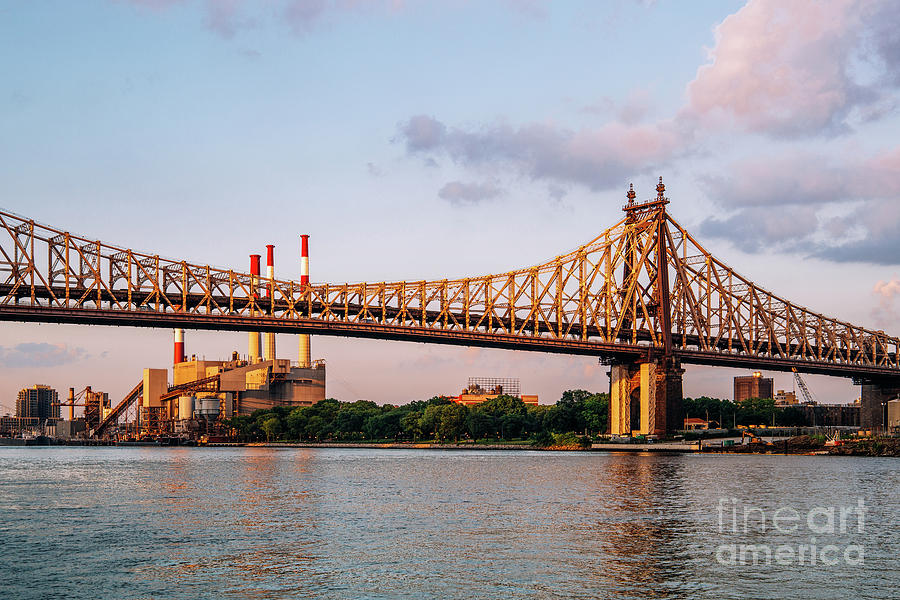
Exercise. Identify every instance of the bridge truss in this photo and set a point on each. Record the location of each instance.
(643, 288)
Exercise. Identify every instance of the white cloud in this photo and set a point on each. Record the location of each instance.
(40, 354)
(599, 158)
(842, 211)
(458, 192)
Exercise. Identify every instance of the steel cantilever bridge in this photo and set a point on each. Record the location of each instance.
(645, 296)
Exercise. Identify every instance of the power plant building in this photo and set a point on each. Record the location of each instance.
(205, 394)
(753, 386)
(254, 386)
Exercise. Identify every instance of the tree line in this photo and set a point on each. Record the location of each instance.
(752, 411)
(504, 418)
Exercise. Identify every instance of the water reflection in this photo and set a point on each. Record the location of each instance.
(642, 545)
(345, 524)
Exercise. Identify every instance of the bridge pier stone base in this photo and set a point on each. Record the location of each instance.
(644, 398)
(872, 402)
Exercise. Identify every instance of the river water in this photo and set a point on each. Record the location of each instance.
(352, 523)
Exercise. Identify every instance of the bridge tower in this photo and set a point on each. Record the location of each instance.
(645, 395)
(874, 396)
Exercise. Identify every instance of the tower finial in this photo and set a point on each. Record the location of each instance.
(660, 189)
(631, 195)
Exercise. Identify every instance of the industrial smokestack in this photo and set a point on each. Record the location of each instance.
(179, 346)
(254, 353)
(71, 404)
(304, 260)
(270, 268)
(305, 355)
(269, 338)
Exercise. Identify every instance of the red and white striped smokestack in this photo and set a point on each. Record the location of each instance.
(179, 346)
(268, 337)
(254, 350)
(270, 267)
(304, 260)
(305, 356)
(254, 274)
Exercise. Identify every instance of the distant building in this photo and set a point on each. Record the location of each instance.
(10, 425)
(96, 407)
(68, 430)
(37, 404)
(783, 398)
(753, 386)
(831, 415)
(695, 423)
(893, 416)
(480, 389)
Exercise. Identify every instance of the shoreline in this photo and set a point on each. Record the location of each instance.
(802, 446)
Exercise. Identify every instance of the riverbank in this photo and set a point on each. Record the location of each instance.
(805, 444)
(396, 446)
(800, 445)
(655, 447)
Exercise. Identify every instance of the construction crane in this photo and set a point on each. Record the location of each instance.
(804, 389)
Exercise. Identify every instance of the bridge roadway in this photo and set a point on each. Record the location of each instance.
(687, 348)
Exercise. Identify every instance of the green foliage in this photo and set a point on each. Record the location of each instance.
(479, 424)
(504, 418)
(452, 422)
(271, 427)
(566, 439)
(542, 439)
(753, 411)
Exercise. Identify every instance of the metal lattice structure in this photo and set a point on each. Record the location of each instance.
(494, 385)
(644, 288)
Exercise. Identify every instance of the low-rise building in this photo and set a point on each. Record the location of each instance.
(480, 389)
(694, 423)
(784, 398)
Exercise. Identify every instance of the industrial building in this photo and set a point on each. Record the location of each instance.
(200, 396)
(96, 406)
(831, 415)
(204, 394)
(206, 391)
(480, 389)
(753, 386)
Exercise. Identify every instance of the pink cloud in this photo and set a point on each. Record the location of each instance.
(886, 292)
(786, 68)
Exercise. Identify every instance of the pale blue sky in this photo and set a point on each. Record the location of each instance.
(204, 130)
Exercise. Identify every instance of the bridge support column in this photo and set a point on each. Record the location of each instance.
(644, 398)
(873, 403)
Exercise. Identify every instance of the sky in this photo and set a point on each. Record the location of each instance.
(449, 138)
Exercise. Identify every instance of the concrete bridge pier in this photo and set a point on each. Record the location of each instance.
(872, 403)
(645, 398)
